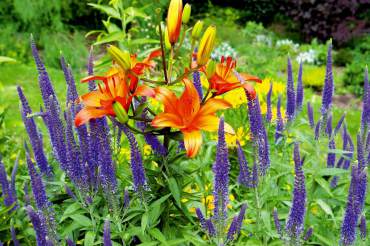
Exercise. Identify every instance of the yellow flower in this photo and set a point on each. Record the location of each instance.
(264, 87)
(209, 202)
(231, 197)
(273, 111)
(147, 150)
(240, 135)
(192, 210)
(236, 97)
(315, 210)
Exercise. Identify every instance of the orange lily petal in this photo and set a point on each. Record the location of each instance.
(192, 140)
(93, 98)
(168, 98)
(167, 120)
(92, 77)
(189, 102)
(248, 77)
(88, 113)
(144, 90)
(214, 104)
(210, 123)
(152, 55)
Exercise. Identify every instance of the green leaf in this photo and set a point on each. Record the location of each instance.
(114, 36)
(325, 207)
(134, 12)
(81, 219)
(106, 9)
(324, 184)
(175, 191)
(6, 59)
(157, 234)
(89, 238)
(144, 222)
(331, 171)
(70, 210)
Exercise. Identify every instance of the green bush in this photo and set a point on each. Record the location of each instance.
(354, 72)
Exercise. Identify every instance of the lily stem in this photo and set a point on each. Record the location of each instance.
(163, 53)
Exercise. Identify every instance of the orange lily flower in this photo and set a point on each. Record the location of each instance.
(224, 78)
(138, 67)
(115, 89)
(188, 115)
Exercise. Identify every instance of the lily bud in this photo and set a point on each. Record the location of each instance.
(211, 68)
(167, 43)
(206, 45)
(186, 13)
(174, 17)
(120, 112)
(121, 57)
(197, 30)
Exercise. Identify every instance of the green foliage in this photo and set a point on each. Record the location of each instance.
(354, 72)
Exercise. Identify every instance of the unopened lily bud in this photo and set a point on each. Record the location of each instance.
(167, 43)
(186, 13)
(206, 45)
(121, 57)
(211, 68)
(197, 30)
(120, 112)
(174, 17)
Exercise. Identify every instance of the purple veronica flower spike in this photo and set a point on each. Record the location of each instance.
(7, 191)
(295, 222)
(339, 124)
(308, 234)
(348, 231)
(268, 102)
(46, 87)
(231, 234)
(38, 188)
(317, 130)
(39, 225)
(14, 236)
(279, 121)
(244, 174)
(221, 178)
(299, 96)
(106, 235)
(328, 91)
(70, 242)
(277, 223)
(363, 227)
(137, 168)
(330, 161)
(198, 84)
(310, 115)
(290, 93)
(33, 134)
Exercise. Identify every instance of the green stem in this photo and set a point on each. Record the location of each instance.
(170, 64)
(163, 53)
